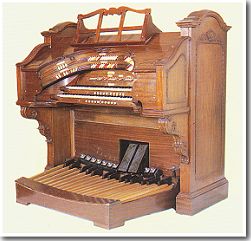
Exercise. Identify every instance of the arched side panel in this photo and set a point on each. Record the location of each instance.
(202, 179)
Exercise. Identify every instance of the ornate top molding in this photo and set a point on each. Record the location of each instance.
(58, 28)
(35, 51)
(196, 18)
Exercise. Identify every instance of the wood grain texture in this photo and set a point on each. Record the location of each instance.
(106, 213)
(95, 139)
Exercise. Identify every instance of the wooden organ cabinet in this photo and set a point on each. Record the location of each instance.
(133, 117)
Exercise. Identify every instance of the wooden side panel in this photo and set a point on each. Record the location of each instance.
(177, 81)
(202, 179)
(103, 141)
(209, 124)
(29, 85)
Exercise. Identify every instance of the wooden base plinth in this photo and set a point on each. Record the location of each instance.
(192, 203)
(105, 213)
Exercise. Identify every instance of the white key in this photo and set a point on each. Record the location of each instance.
(93, 97)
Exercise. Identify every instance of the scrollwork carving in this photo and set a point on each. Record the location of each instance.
(167, 125)
(181, 148)
(28, 112)
(45, 131)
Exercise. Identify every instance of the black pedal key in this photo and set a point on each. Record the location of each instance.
(75, 164)
(127, 179)
(151, 180)
(167, 180)
(137, 159)
(84, 168)
(68, 162)
(108, 173)
(123, 177)
(114, 175)
(85, 160)
(136, 179)
(89, 170)
(143, 182)
(98, 172)
(127, 158)
(155, 172)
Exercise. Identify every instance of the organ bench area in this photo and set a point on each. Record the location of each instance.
(134, 118)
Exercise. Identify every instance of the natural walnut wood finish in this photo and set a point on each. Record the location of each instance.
(177, 88)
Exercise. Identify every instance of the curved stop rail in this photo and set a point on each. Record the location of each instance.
(92, 36)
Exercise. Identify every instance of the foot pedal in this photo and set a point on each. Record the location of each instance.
(129, 154)
(137, 159)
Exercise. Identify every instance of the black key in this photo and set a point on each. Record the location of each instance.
(127, 179)
(113, 176)
(75, 164)
(151, 180)
(136, 179)
(68, 161)
(98, 171)
(89, 170)
(105, 175)
(85, 160)
(127, 158)
(123, 177)
(167, 180)
(84, 168)
(143, 182)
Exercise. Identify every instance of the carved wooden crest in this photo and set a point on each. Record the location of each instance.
(210, 37)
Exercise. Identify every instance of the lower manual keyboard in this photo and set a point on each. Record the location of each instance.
(94, 97)
(123, 101)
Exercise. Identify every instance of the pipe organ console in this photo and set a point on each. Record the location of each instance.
(134, 122)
